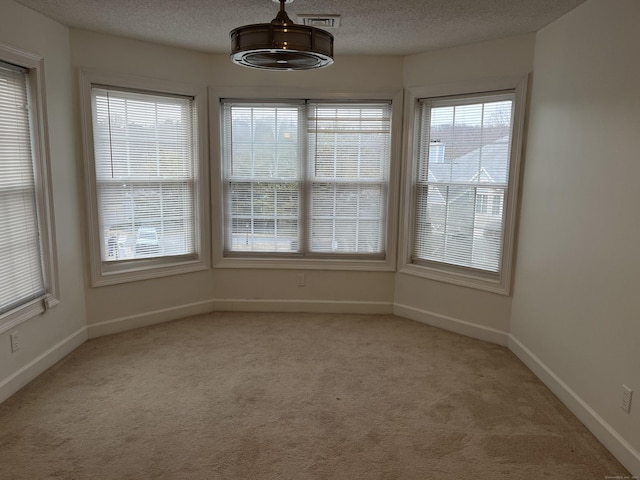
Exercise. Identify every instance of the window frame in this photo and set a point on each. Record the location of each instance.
(358, 262)
(110, 273)
(497, 283)
(34, 63)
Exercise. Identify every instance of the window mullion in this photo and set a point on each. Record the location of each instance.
(357, 219)
(253, 217)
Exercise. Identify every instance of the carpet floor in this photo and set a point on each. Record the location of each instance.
(293, 396)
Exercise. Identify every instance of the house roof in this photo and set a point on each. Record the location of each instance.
(484, 165)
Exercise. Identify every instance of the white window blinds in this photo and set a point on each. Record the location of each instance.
(145, 163)
(306, 177)
(21, 271)
(464, 151)
(263, 146)
(349, 147)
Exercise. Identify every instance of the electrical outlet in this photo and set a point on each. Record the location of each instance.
(300, 279)
(15, 342)
(625, 404)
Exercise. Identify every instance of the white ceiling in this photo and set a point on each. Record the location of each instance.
(368, 27)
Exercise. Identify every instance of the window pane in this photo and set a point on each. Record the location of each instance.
(349, 149)
(262, 170)
(264, 217)
(347, 218)
(145, 147)
(462, 175)
(349, 141)
(21, 274)
(262, 141)
(146, 220)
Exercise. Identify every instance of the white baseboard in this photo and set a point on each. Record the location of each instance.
(130, 322)
(451, 324)
(145, 319)
(618, 446)
(42, 362)
(307, 306)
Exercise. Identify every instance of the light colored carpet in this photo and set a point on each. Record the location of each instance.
(293, 396)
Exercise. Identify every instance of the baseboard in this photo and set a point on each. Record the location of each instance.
(308, 306)
(618, 446)
(451, 324)
(130, 322)
(42, 362)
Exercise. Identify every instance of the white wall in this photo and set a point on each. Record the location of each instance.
(575, 313)
(48, 337)
(472, 312)
(496, 58)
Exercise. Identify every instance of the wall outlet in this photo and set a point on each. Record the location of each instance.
(15, 342)
(300, 279)
(625, 404)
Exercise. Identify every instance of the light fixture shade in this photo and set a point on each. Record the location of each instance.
(281, 45)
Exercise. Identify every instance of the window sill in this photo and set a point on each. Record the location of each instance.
(108, 275)
(306, 264)
(457, 278)
(27, 311)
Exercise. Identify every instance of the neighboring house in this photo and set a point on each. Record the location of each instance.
(466, 198)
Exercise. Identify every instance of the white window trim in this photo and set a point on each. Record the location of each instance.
(35, 64)
(102, 273)
(501, 285)
(284, 262)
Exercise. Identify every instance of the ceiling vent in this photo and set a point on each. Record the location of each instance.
(319, 21)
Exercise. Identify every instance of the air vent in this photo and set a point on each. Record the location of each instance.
(319, 21)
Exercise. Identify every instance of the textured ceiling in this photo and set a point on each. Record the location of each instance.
(381, 27)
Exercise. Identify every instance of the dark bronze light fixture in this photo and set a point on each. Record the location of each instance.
(281, 45)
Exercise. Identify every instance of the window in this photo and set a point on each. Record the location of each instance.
(306, 179)
(146, 175)
(464, 158)
(263, 176)
(28, 284)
